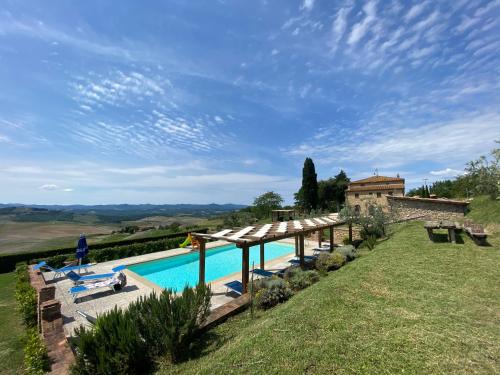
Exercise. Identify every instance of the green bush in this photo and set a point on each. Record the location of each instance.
(349, 251)
(370, 242)
(271, 292)
(328, 262)
(36, 359)
(129, 341)
(26, 297)
(345, 240)
(299, 279)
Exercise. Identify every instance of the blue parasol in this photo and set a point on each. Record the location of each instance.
(82, 248)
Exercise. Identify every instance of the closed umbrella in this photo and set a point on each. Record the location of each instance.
(82, 249)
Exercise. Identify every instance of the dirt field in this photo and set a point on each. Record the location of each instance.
(20, 237)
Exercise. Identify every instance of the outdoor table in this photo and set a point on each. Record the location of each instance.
(445, 224)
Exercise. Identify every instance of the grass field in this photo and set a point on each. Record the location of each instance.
(409, 306)
(11, 329)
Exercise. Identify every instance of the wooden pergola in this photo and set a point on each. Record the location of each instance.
(259, 234)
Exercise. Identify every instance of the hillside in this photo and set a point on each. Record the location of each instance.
(410, 306)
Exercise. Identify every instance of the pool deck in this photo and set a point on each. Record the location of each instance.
(104, 300)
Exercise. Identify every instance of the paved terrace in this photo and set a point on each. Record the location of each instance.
(104, 300)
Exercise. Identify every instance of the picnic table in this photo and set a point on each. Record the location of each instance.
(444, 224)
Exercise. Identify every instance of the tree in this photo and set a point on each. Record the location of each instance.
(309, 186)
(266, 202)
(484, 174)
(326, 193)
(341, 184)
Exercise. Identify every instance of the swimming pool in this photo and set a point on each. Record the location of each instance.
(181, 270)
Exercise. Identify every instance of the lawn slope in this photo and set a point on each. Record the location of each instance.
(11, 329)
(410, 306)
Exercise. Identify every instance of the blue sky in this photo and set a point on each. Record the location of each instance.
(218, 101)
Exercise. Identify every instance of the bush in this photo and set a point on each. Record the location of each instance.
(299, 279)
(345, 240)
(349, 251)
(271, 292)
(369, 242)
(328, 262)
(129, 341)
(26, 297)
(36, 359)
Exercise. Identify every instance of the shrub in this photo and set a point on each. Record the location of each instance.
(128, 341)
(345, 240)
(26, 297)
(369, 242)
(271, 292)
(36, 359)
(299, 279)
(349, 251)
(328, 262)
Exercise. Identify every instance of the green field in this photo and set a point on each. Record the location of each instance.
(409, 306)
(11, 329)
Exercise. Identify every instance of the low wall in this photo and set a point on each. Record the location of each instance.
(51, 325)
(407, 208)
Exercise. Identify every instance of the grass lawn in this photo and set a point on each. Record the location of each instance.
(410, 306)
(11, 329)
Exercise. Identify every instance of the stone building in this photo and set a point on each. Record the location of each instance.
(373, 190)
(414, 208)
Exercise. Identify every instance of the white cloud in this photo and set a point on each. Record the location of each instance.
(49, 187)
(307, 4)
(448, 172)
(5, 139)
(68, 190)
(338, 27)
(359, 29)
(218, 119)
(274, 52)
(415, 11)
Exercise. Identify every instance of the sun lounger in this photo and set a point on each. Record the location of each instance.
(235, 286)
(77, 279)
(307, 259)
(264, 273)
(322, 249)
(116, 282)
(62, 270)
(88, 317)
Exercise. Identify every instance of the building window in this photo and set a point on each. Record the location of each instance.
(370, 193)
(356, 195)
(390, 193)
(357, 209)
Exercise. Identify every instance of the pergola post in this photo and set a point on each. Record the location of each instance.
(350, 233)
(201, 274)
(245, 267)
(301, 249)
(262, 255)
(331, 238)
(320, 237)
(296, 245)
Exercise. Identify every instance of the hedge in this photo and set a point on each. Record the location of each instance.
(117, 252)
(8, 261)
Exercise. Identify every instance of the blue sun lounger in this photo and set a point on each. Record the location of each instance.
(62, 270)
(110, 283)
(235, 286)
(264, 273)
(77, 279)
(307, 259)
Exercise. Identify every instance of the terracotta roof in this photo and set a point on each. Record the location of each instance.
(432, 200)
(379, 179)
(375, 187)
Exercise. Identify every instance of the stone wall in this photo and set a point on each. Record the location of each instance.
(407, 208)
(51, 325)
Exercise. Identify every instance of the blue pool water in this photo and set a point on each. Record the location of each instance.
(178, 271)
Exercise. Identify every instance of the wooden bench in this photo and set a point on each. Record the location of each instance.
(476, 232)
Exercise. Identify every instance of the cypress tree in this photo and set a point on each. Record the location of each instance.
(309, 185)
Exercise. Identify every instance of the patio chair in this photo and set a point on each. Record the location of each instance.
(307, 259)
(78, 279)
(62, 270)
(235, 286)
(115, 283)
(322, 249)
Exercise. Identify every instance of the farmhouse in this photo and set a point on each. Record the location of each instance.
(370, 191)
